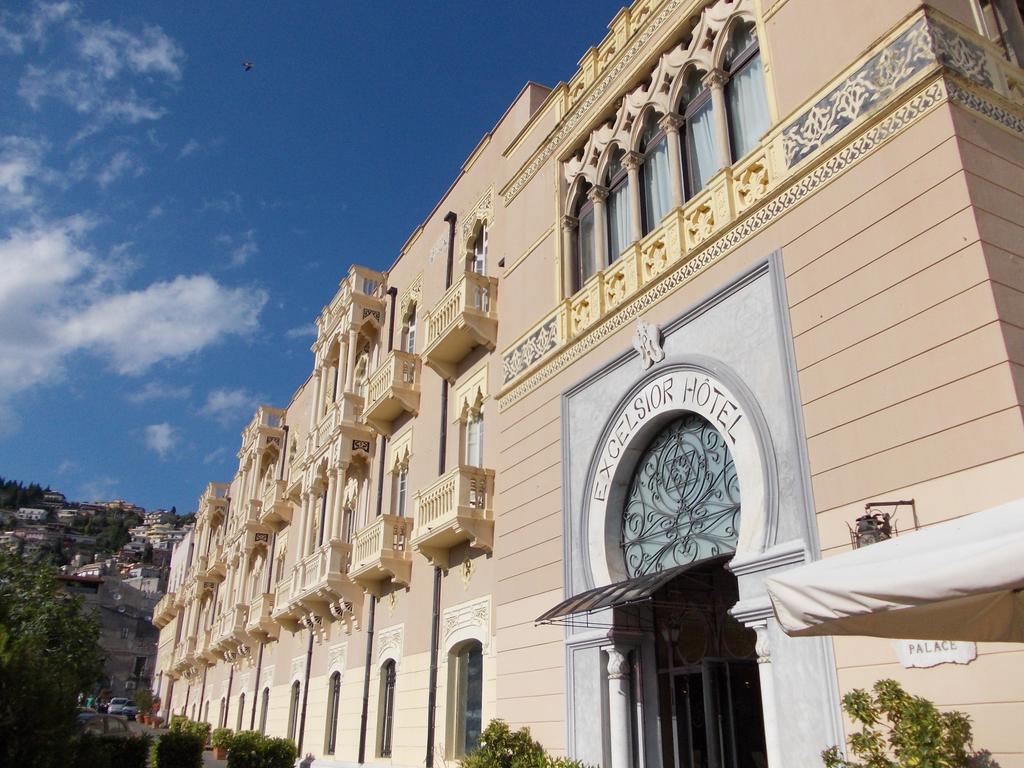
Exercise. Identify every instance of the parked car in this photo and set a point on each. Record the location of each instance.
(85, 714)
(101, 707)
(107, 725)
(129, 711)
(117, 706)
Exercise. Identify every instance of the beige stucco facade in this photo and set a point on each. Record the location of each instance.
(855, 282)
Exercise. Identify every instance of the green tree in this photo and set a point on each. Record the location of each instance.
(48, 655)
(898, 730)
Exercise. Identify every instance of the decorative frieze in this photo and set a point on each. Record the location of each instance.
(471, 620)
(336, 655)
(389, 643)
(536, 346)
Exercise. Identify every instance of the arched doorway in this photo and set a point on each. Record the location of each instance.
(681, 513)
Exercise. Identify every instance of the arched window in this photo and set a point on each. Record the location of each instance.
(206, 712)
(655, 176)
(699, 133)
(293, 710)
(241, 711)
(333, 709)
(386, 715)
(401, 490)
(683, 502)
(264, 708)
(745, 98)
(617, 182)
(465, 699)
(222, 716)
(586, 247)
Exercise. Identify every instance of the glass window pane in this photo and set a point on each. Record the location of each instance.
(473, 660)
(748, 107)
(618, 221)
(656, 186)
(586, 246)
(701, 150)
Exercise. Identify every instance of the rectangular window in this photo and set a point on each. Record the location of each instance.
(467, 683)
(475, 440)
(124, 633)
(410, 334)
(401, 491)
(479, 264)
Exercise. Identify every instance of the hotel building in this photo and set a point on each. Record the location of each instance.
(755, 266)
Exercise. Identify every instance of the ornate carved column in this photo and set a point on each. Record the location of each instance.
(632, 161)
(350, 366)
(597, 196)
(767, 677)
(314, 411)
(619, 720)
(670, 124)
(570, 226)
(332, 492)
(342, 361)
(300, 548)
(715, 81)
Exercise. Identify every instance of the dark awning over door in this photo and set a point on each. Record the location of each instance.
(621, 593)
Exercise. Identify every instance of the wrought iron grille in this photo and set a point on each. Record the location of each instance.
(683, 503)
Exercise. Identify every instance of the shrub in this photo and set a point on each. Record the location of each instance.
(251, 750)
(179, 749)
(93, 751)
(144, 700)
(898, 729)
(221, 737)
(501, 747)
(181, 724)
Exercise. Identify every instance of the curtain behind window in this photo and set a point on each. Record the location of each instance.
(700, 139)
(618, 221)
(586, 246)
(748, 107)
(657, 191)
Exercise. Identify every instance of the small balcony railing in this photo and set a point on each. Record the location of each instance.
(165, 610)
(464, 318)
(321, 584)
(380, 554)
(393, 389)
(455, 509)
(275, 509)
(260, 623)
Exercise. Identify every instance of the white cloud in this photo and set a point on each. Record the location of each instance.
(302, 331)
(161, 438)
(21, 164)
(193, 146)
(230, 405)
(106, 56)
(99, 489)
(190, 147)
(17, 29)
(156, 390)
(231, 202)
(66, 467)
(58, 299)
(215, 455)
(243, 250)
(123, 163)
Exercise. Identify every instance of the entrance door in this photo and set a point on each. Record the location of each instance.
(717, 716)
(709, 687)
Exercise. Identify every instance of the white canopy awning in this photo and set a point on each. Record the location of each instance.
(957, 580)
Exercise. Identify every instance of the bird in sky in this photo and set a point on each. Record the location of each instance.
(247, 65)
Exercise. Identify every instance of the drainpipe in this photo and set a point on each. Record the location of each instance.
(259, 658)
(451, 218)
(432, 684)
(393, 293)
(202, 694)
(305, 691)
(380, 474)
(442, 434)
(227, 699)
(366, 680)
(184, 710)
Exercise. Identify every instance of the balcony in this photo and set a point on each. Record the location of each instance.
(283, 613)
(456, 509)
(229, 631)
(380, 554)
(213, 503)
(206, 650)
(393, 389)
(342, 422)
(358, 302)
(265, 429)
(464, 318)
(260, 623)
(275, 509)
(165, 610)
(321, 584)
(213, 565)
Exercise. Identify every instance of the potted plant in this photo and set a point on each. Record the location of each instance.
(143, 702)
(220, 740)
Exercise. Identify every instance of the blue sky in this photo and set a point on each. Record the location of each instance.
(171, 225)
